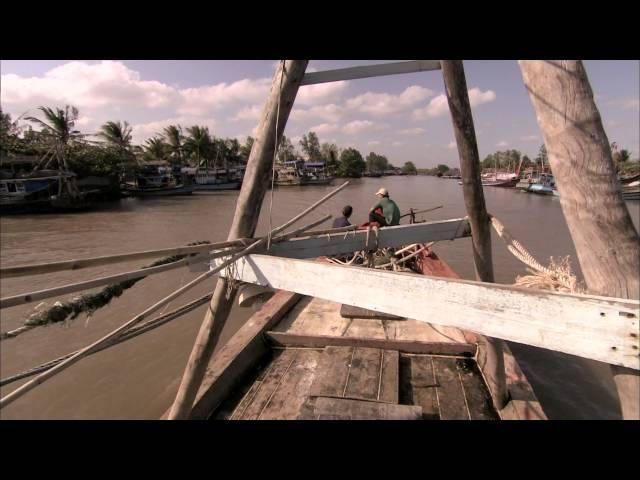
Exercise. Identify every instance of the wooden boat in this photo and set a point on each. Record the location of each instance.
(546, 185)
(157, 191)
(153, 183)
(307, 358)
(302, 174)
(214, 179)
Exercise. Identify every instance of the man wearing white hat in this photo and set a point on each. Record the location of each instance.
(390, 211)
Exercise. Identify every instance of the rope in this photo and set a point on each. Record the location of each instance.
(275, 154)
(127, 335)
(557, 277)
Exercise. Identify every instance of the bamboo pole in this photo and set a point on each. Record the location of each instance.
(128, 335)
(490, 358)
(77, 264)
(96, 282)
(138, 318)
(607, 244)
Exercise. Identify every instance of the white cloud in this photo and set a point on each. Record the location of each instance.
(412, 131)
(502, 143)
(373, 142)
(202, 100)
(359, 126)
(397, 144)
(248, 113)
(329, 113)
(452, 145)
(632, 103)
(530, 138)
(439, 106)
(324, 128)
(320, 93)
(384, 103)
(86, 86)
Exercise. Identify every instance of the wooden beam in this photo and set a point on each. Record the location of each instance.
(458, 98)
(349, 242)
(77, 264)
(283, 339)
(367, 71)
(599, 328)
(29, 297)
(239, 355)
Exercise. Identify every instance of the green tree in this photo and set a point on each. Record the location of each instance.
(245, 150)
(311, 147)
(156, 149)
(331, 156)
(442, 168)
(409, 168)
(286, 150)
(542, 156)
(58, 131)
(199, 143)
(351, 163)
(175, 143)
(377, 163)
(118, 136)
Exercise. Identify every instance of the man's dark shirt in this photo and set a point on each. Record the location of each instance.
(341, 222)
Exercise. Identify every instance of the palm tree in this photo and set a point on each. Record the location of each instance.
(58, 129)
(174, 137)
(117, 135)
(198, 142)
(155, 148)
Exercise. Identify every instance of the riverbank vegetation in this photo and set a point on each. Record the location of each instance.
(110, 151)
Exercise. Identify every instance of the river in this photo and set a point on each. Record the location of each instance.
(138, 379)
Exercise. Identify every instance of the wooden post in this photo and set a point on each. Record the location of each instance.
(276, 112)
(490, 357)
(607, 244)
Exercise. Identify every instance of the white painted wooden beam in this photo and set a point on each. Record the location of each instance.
(349, 242)
(599, 328)
(367, 71)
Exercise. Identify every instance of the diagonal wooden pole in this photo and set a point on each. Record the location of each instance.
(607, 244)
(490, 357)
(274, 118)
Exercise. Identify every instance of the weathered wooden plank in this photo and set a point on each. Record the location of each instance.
(343, 243)
(368, 71)
(287, 400)
(477, 395)
(327, 408)
(389, 390)
(600, 328)
(349, 311)
(451, 397)
(284, 339)
(259, 401)
(333, 372)
(232, 362)
(418, 385)
(363, 382)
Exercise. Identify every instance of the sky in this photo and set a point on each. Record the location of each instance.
(404, 117)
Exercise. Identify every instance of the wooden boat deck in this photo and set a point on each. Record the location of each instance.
(369, 376)
(302, 357)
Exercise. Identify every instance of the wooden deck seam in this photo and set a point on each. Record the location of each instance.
(380, 374)
(346, 383)
(435, 384)
(464, 394)
(278, 385)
